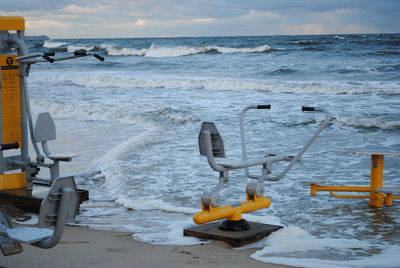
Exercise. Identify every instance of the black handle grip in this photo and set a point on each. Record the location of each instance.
(48, 58)
(80, 52)
(268, 106)
(308, 109)
(97, 56)
(52, 53)
(9, 146)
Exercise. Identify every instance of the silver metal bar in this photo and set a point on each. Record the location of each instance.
(26, 109)
(243, 139)
(306, 146)
(31, 60)
(21, 58)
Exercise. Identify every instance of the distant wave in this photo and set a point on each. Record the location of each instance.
(72, 48)
(306, 43)
(314, 48)
(368, 123)
(112, 81)
(52, 44)
(388, 52)
(87, 112)
(171, 115)
(339, 37)
(160, 51)
(283, 71)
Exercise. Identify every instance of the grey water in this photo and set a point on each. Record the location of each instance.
(135, 118)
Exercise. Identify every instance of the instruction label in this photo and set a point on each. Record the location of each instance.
(10, 100)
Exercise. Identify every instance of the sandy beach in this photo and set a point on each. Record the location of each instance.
(83, 247)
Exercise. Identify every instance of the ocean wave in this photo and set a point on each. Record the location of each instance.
(306, 43)
(171, 115)
(151, 204)
(339, 37)
(321, 87)
(368, 123)
(388, 52)
(160, 52)
(87, 112)
(283, 71)
(52, 44)
(317, 48)
(73, 48)
(388, 68)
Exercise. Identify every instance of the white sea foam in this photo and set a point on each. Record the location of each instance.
(339, 37)
(52, 44)
(72, 48)
(296, 87)
(155, 51)
(87, 112)
(287, 246)
(368, 122)
(171, 234)
(173, 116)
(144, 203)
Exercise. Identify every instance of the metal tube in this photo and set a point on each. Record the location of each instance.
(243, 139)
(26, 109)
(306, 146)
(231, 211)
(376, 180)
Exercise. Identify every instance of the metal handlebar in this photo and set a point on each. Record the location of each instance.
(309, 142)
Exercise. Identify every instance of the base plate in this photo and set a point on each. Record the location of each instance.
(30, 200)
(256, 232)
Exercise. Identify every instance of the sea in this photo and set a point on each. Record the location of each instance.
(134, 121)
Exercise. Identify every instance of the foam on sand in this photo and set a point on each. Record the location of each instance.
(295, 246)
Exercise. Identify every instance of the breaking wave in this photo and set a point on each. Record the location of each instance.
(52, 44)
(368, 123)
(112, 81)
(171, 115)
(154, 51)
(160, 51)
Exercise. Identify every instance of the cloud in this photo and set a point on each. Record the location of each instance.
(145, 18)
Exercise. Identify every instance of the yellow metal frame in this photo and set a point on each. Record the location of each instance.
(232, 212)
(11, 103)
(9, 23)
(12, 181)
(376, 199)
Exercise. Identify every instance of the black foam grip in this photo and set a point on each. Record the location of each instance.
(309, 109)
(268, 106)
(48, 58)
(97, 56)
(52, 53)
(80, 52)
(9, 146)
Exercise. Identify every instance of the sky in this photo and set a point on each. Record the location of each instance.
(171, 18)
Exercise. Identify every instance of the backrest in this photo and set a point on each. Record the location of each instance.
(216, 140)
(45, 129)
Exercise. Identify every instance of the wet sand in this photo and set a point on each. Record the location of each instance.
(83, 247)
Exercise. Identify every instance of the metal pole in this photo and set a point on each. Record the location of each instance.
(376, 199)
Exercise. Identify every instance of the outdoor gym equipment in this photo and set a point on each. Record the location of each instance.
(18, 172)
(58, 208)
(377, 193)
(211, 145)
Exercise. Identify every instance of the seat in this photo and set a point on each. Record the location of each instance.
(58, 207)
(44, 131)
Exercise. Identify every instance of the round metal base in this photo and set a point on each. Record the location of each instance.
(233, 226)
